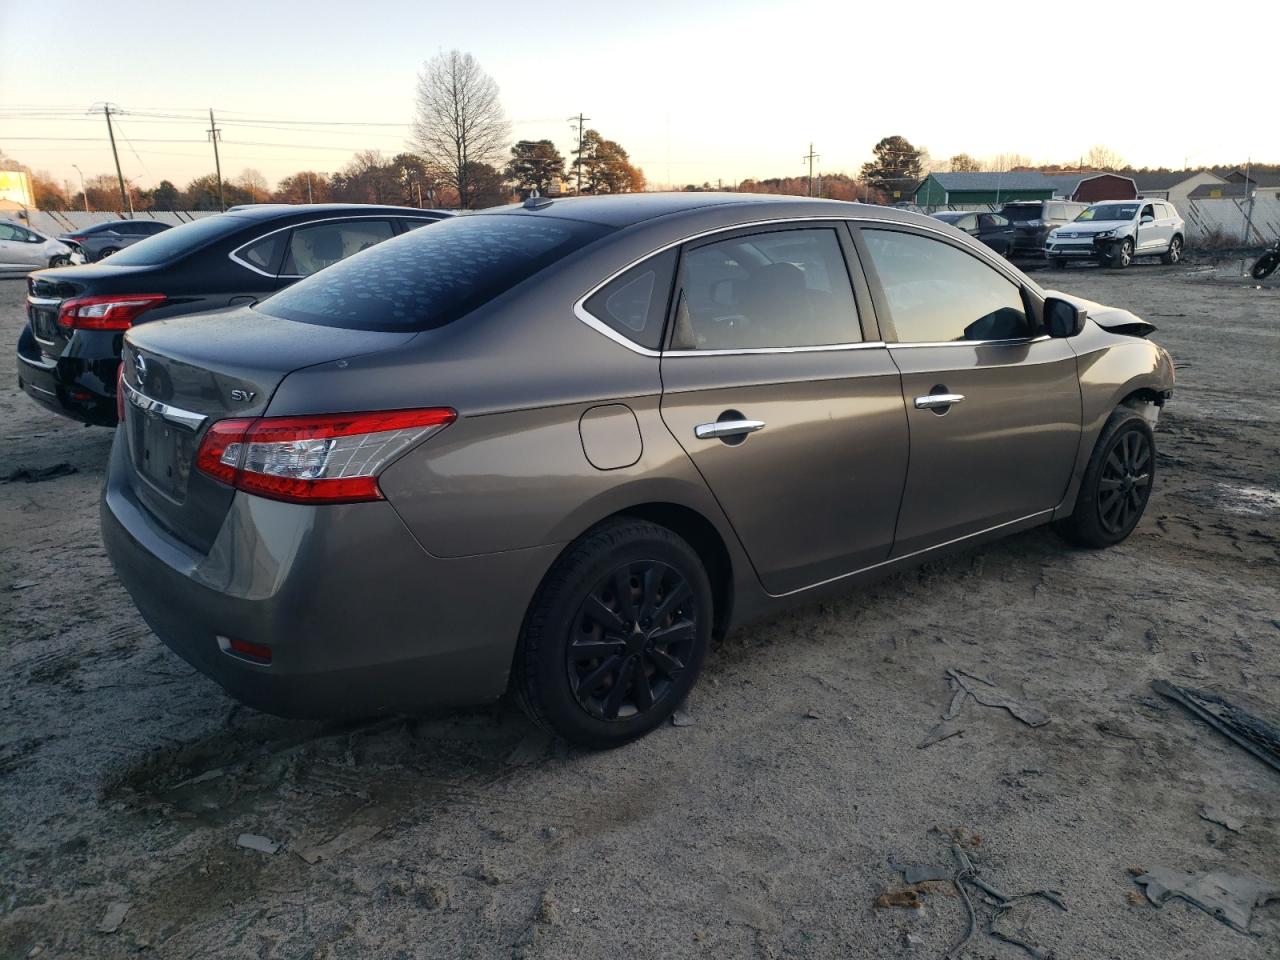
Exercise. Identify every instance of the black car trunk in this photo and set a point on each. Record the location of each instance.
(47, 289)
(182, 375)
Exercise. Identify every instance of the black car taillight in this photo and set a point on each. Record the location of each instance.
(112, 312)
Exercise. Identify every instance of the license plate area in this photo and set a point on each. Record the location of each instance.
(44, 323)
(161, 451)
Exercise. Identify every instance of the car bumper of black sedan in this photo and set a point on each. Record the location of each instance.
(79, 387)
(292, 612)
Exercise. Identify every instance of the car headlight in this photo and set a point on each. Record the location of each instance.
(1035, 223)
(1104, 235)
(1053, 235)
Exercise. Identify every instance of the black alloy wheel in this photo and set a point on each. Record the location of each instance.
(632, 636)
(1125, 483)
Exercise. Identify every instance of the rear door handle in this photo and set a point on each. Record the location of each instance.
(727, 428)
(935, 400)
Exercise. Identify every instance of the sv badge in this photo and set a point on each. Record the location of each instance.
(242, 396)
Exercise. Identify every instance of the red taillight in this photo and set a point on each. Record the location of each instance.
(327, 458)
(115, 312)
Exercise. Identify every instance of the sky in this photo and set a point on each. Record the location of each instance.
(695, 91)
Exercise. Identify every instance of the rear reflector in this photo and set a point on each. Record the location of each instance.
(327, 458)
(257, 652)
(116, 312)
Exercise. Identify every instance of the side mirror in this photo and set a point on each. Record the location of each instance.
(1062, 319)
(1147, 219)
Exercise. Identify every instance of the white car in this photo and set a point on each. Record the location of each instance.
(23, 249)
(1115, 231)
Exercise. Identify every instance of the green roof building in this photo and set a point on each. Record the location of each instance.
(964, 189)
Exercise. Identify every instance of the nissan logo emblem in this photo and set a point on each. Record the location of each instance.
(140, 369)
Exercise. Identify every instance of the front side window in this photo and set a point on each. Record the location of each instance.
(937, 293)
(324, 244)
(1148, 211)
(786, 288)
(428, 278)
(635, 303)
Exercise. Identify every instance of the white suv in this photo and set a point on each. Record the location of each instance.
(1116, 231)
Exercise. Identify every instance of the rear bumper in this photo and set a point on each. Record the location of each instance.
(360, 620)
(76, 386)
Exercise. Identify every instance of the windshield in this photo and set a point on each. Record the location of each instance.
(1021, 212)
(170, 244)
(1110, 211)
(428, 278)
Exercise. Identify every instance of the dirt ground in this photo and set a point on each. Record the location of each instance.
(767, 827)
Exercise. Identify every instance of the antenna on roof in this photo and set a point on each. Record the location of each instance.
(536, 202)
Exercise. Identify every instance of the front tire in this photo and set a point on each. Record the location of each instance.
(1265, 266)
(1174, 253)
(61, 260)
(615, 636)
(1121, 254)
(1117, 483)
(107, 252)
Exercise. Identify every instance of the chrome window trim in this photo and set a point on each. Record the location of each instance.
(234, 257)
(595, 323)
(1013, 342)
(176, 415)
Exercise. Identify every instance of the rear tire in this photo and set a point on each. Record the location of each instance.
(616, 635)
(107, 252)
(1266, 265)
(1174, 253)
(1117, 483)
(61, 260)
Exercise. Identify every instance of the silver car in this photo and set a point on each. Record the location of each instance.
(559, 446)
(23, 249)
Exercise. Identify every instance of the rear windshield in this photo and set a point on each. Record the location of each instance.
(1021, 212)
(949, 217)
(171, 244)
(428, 278)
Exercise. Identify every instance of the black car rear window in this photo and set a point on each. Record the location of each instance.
(428, 278)
(171, 244)
(1021, 212)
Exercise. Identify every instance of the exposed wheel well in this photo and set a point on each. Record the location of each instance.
(701, 534)
(1141, 396)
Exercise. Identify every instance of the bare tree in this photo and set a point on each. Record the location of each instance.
(459, 123)
(1102, 157)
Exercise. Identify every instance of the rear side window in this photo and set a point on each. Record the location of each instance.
(264, 254)
(938, 294)
(635, 303)
(428, 278)
(788, 288)
(168, 245)
(324, 244)
(1055, 211)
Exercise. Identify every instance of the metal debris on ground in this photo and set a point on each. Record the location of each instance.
(114, 916)
(966, 875)
(253, 841)
(1231, 897)
(920, 872)
(682, 718)
(943, 731)
(989, 694)
(1222, 818)
(38, 474)
(1259, 737)
(909, 898)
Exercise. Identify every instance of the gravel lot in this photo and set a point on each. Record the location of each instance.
(764, 829)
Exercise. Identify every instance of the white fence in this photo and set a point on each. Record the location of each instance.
(54, 222)
(1231, 217)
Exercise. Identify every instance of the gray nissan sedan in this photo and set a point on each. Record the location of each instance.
(558, 446)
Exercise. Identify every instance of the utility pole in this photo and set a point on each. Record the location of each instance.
(214, 136)
(83, 192)
(124, 194)
(580, 121)
(810, 156)
(308, 186)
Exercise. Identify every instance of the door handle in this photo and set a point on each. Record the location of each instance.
(727, 428)
(934, 400)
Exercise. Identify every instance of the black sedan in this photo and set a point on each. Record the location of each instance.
(989, 228)
(69, 350)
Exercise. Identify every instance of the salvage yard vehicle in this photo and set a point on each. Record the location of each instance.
(1267, 263)
(989, 228)
(1034, 220)
(561, 444)
(69, 351)
(104, 239)
(1115, 232)
(23, 249)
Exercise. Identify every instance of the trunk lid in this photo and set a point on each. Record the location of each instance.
(46, 289)
(181, 375)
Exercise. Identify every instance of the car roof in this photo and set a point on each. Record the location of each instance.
(628, 209)
(269, 211)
